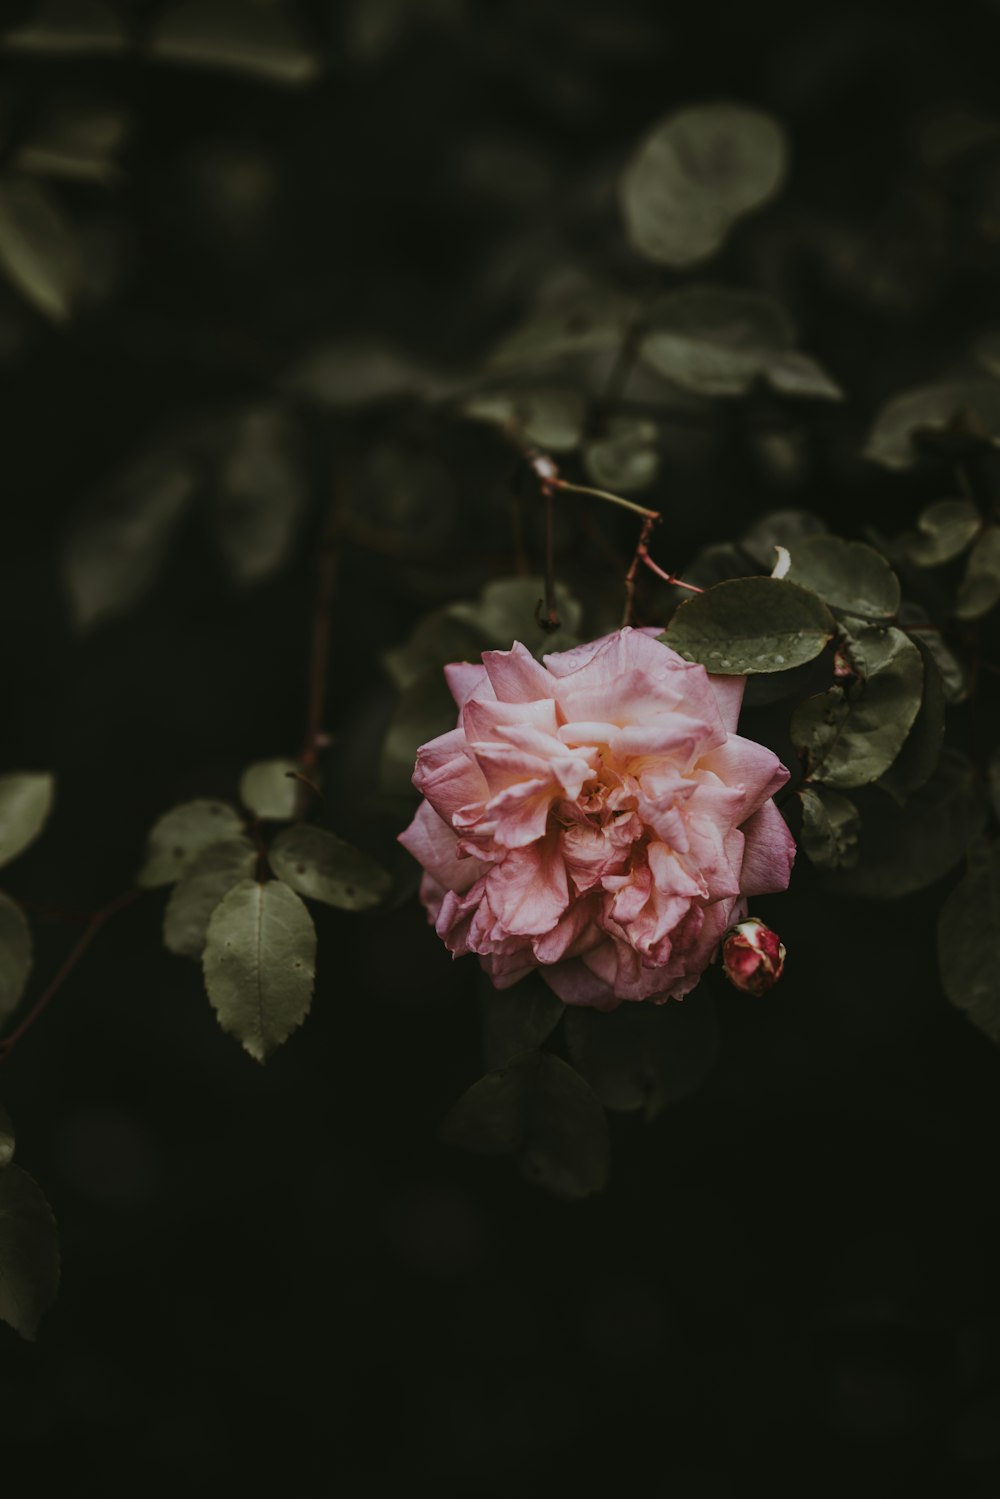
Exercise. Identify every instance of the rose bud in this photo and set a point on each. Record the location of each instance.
(753, 957)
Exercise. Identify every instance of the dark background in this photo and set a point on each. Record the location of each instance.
(277, 1274)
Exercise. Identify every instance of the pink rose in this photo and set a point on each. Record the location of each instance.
(596, 817)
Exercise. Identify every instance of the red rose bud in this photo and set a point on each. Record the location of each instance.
(753, 957)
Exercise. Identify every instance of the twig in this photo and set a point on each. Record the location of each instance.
(550, 619)
(667, 577)
(94, 924)
(633, 572)
(603, 494)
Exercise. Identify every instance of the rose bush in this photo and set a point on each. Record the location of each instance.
(596, 817)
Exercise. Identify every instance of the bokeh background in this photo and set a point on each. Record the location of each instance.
(279, 1275)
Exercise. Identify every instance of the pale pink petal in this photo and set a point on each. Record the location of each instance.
(452, 785)
(467, 679)
(528, 890)
(516, 676)
(432, 843)
(729, 696)
(485, 720)
(769, 853)
(741, 762)
(576, 984)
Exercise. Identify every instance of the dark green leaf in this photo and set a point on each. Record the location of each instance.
(590, 321)
(944, 530)
(979, 590)
(931, 409)
(15, 956)
(177, 838)
(694, 175)
(831, 827)
(626, 457)
(29, 1253)
(269, 788)
(357, 372)
(538, 1109)
(6, 1139)
(25, 803)
(67, 26)
(259, 964)
(505, 612)
(921, 753)
(425, 709)
(231, 35)
(785, 528)
(751, 625)
(969, 941)
(715, 340)
(848, 574)
(551, 417)
(38, 251)
(261, 496)
(791, 373)
(853, 734)
(645, 1056)
(517, 1019)
(317, 864)
(76, 142)
(119, 542)
(210, 876)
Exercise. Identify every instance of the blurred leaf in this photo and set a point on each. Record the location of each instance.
(626, 457)
(979, 590)
(67, 26)
(323, 867)
(6, 1139)
(118, 543)
(403, 496)
(715, 340)
(694, 175)
(944, 530)
(209, 876)
(261, 496)
(645, 1056)
(437, 639)
(552, 418)
(359, 371)
(953, 676)
(969, 941)
(15, 959)
(25, 803)
(259, 964)
(539, 1110)
(792, 373)
(921, 752)
(852, 734)
(592, 320)
(425, 709)
(38, 249)
(180, 835)
(831, 827)
(75, 142)
(517, 1019)
(786, 528)
(751, 625)
(269, 788)
(904, 849)
(974, 404)
(505, 612)
(29, 1253)
(234, 35)
(848, 574)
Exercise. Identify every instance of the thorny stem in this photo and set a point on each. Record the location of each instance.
(632, 575)
(95, 922)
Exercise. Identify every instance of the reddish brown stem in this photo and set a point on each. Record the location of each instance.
(667, 577)
(632, 575)
(94, 924)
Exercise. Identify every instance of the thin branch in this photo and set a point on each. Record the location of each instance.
(667, 577)
(550, 619)
(603, 494)
(631, 577)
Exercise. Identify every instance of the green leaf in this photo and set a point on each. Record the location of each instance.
(969, 942)
(118, 542)
(25, 803)
(6, 1139)
(75, 142)
(269, 788)
(592, 320)
(233, 36)
(645, 1056)
(751, 625)
(259, 964)
(694, 175)
(626, 457)
(180, 835)
(67, 26)
(210, 876)
(517, 1019)
(929, 410)
(261, 497)
(853, 734)
(505, 612)
(944, 530)
(425, 709)
(15, 956)
(553, 418)
(38, 251)
(921, 753)
(831, 827)
(353, 372)
(979, 590)
(849, 575)
(539, 1110)
(792, 373)
(29, 1253)
(323, 867)
(715, 340)
(904, 849)
(785, 528)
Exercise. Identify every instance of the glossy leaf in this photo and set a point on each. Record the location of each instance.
(38, 250)
(786, 528)
(851, 576)
(15, 956)
(979, 590)
(543, 1113)
(25, 803)
(694, 175)
(323, 867)
(751, 625)
(29, 1253)
(209, 877)
(259, 964)
(831, 827)
(517, 1019)
(269, 788)
(180, 835)
(969, 941)
(921, 753)
(645, 1056)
